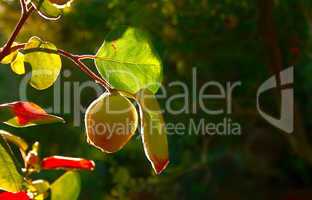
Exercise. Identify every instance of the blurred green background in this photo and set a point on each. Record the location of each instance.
(225, 40)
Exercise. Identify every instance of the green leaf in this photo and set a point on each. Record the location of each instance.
(47, 10)
(128, 61)
(45, 65)
(17, 65)
(67, 187)
(61, 3)
(15, 140)
(11, 57)
(10, 179)
(153, 131)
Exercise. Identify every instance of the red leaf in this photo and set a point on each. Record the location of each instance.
(60, 162)
(14, 196)
(23, 114)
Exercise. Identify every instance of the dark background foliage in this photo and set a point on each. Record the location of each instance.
(225, 41)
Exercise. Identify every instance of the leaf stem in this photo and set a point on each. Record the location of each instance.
(76, 59)
(84, 68)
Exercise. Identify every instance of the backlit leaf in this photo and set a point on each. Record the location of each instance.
(61, 3)
(111, 121)
(46, 66)
(11, 57)
(153, 131)
(14, 139)
(47, 10)
(128, 61)
(10, 179)
(23, 114)
(17, 65)
(67, 187)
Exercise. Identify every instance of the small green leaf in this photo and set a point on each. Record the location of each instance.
(10, 179)
(17, 65)
(67, 187)
(15, 140)
(128, 61)
(11, 57)
(61, 3)
(47, 10)
(153, 131)
(45, 65)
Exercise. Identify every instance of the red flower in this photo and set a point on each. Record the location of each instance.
(60, 162)
(14, 196)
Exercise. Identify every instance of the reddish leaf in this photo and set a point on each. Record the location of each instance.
(24, 114)
(60, 162)
(14, 196)
(153, 131)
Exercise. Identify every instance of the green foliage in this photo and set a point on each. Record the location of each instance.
(10, 178)
(128, 61)
(47, 10)
(67, 187)
(46, 66)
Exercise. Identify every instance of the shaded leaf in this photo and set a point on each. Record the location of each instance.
(153, 131)
(23, 114)
(46, 66)
(10, 179)
(67, 187)
(127, 60)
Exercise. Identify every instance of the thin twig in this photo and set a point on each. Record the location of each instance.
(23, 6)
(7, 48)
(77, 60)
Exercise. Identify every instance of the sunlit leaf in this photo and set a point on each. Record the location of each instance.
(9, 58)
(111, 121)
(47, 10)
(10, 179)
(23, 114)
(67, 187)
(15, 140)
(40, 187)
(128, 61)
(153, 131)
(45, 65)
(61, 3)
(17, 65)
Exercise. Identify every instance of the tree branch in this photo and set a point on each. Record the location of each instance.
(7, 47)
(77, 60)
